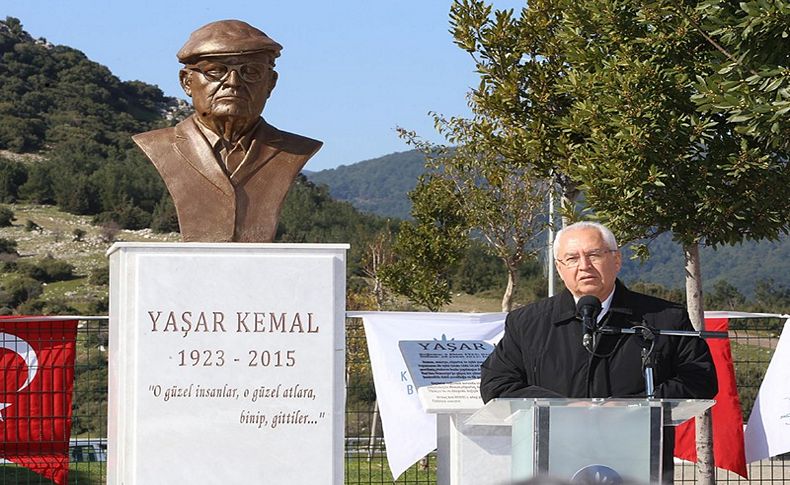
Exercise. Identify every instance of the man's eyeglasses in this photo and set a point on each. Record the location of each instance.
(251, 72)
(594, 256)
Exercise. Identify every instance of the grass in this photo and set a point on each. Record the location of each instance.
(377, 471)
(463, 302)
(750, 363)
(94, 473)
(357, 471)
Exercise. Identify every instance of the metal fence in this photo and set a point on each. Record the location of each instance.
(753, 342)
(365, 461)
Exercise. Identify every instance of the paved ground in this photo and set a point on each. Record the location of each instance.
(752, 338)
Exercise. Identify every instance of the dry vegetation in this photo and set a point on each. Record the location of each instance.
(51, 232)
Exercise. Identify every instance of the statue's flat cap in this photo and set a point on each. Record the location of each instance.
(227, 37)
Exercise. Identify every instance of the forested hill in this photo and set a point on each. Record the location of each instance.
(379, 186)
(53, 95)
(744, 266)
(57, 103)
(65, 138)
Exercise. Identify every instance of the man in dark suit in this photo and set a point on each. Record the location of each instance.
(227, 170)
(543, 351)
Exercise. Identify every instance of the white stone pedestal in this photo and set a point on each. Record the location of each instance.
(226, 363)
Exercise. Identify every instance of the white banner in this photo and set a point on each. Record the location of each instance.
(409, 432)
(768, 430)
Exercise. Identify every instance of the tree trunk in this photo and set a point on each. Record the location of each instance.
(567, 199)
(706, 471)
(570, 193)
(507, 298)
(550, 246)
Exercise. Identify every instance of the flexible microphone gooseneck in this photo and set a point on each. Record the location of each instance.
(587, 308)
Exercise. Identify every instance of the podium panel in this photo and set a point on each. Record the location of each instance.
(610, 439)
(226, 363)
(586, 439)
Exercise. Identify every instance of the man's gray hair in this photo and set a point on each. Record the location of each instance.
(606, 234)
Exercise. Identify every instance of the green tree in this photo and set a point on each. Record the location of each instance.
(39, 186)
(501, 201)
(771, 297)
(647, 160)
(48, 269)
(478, 270)
(126, 215)
(427, 249)
(521, 61)
(12, 176)
(505, 158)
(19, 289)
(658, 290)
(752, 86)
(164, 218)
(724, 296)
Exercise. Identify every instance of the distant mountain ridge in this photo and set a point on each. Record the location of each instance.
(742, 266)
(379, 186)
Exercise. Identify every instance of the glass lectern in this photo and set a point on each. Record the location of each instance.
(514, 439)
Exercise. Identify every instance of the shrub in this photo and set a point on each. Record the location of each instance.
(49, 269)
(164, 217)
(6, 216)
(126, 217)
(109, 231)
(46, 307)
(100, 276)
(19, 289)
(99, 306)
(8, 246)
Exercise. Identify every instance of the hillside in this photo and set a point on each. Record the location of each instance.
(743, 266)
(381, 186)
(43, 231)
(53, 95)
(65, 128)
(378, 186)
(77, 119)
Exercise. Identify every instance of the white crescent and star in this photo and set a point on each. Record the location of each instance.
(26, 351)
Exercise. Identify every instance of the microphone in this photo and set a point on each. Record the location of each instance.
(587, 308)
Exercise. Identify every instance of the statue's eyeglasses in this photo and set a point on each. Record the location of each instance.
(251, 72)
(594, 256)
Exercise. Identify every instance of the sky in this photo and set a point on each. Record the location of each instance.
(351, 71)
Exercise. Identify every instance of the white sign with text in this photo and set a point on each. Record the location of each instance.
(226, 363)
(446, 372)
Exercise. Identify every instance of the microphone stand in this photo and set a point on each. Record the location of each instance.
(648, 336)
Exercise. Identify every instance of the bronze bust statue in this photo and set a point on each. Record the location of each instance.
(227, 169)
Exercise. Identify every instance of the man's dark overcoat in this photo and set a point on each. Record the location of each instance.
(213, 206)
(541, 353)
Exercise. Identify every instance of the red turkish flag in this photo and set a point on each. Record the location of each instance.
(728, 450)
(36, 383)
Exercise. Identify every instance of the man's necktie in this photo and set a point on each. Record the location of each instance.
(233, 158)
